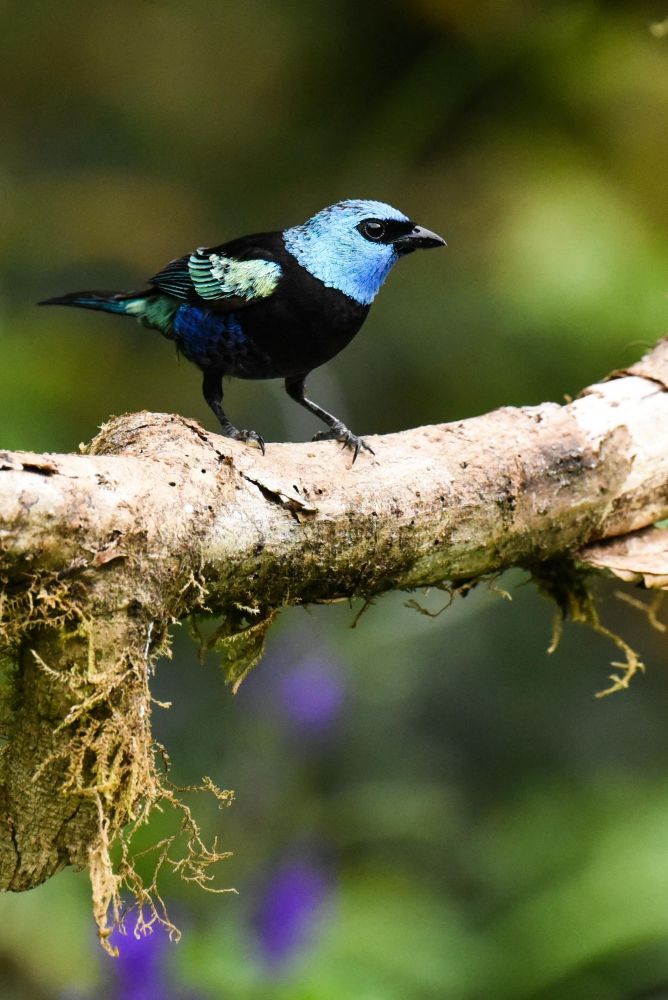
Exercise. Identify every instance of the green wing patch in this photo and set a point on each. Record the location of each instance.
(216, 277)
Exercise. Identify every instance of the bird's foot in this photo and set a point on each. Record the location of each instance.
(249, 437)
(340, 432)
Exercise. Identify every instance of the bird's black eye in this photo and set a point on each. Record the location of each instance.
(372, 229)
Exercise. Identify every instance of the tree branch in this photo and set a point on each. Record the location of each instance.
(158, 519)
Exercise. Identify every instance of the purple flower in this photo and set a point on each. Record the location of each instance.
(290, 906)
(303, 682)
(312, 694)
(140, 971)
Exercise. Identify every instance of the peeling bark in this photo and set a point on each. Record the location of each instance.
(158, 519)
(640, 557)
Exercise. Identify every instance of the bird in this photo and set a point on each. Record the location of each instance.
(275, 304)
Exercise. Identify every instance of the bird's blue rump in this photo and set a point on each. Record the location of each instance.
(219, 342)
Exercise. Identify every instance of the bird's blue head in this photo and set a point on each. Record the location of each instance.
(353, 245)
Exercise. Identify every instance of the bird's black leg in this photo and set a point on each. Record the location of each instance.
(294, 386)
(212, 387)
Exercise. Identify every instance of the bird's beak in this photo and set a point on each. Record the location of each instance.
(419, 238)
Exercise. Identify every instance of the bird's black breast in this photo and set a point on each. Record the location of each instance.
(303, 323)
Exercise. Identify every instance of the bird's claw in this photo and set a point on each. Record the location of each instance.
(249, 437)
(346, 437)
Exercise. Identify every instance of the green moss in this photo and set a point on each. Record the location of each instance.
(570, 587)
(93, 676)
(239, 641)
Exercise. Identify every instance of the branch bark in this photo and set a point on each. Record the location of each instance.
(158, 519)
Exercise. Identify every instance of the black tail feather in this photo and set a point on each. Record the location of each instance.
(125, 303)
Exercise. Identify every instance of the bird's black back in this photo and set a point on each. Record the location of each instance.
(300, 326)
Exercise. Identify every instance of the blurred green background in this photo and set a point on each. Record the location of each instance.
(425, 808)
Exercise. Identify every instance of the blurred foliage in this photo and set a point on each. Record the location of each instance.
(469, 821)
